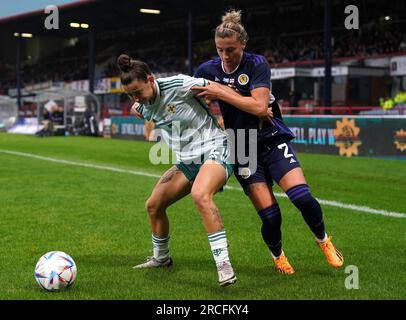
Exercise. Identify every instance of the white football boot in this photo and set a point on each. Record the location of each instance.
(226, 274)
(154, 263)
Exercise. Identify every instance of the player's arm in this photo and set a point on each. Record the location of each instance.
(256, 104)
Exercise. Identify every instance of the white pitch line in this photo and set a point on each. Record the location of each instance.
(79, 164)
(141, 173)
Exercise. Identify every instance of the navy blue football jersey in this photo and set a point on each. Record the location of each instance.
(253, 72)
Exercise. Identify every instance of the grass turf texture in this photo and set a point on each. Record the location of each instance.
(98, 217)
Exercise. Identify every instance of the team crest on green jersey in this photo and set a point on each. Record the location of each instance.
(171, 108)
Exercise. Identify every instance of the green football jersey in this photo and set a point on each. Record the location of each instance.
(184, 121)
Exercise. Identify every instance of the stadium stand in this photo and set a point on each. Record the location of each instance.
(288, 33)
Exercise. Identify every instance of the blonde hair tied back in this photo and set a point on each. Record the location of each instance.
(232, 16)
(231, 24)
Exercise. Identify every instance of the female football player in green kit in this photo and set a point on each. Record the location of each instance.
(203, 157)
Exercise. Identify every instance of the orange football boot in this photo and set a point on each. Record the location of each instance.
(282, 265)
(334, 257)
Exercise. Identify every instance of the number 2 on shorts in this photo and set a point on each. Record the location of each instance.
(285, 153)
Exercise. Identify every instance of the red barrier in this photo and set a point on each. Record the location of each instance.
(310, 109)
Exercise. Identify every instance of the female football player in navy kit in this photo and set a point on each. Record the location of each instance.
(240, 81)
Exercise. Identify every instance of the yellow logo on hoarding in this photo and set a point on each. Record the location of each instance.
(346, 137)
(115, 85)
(400, 140)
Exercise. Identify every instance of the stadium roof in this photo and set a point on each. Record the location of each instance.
(33, 21)
(111, 15)
(12, 8)
(43, 95)
(108, 15)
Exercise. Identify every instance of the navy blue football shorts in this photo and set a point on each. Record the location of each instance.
(272, 164)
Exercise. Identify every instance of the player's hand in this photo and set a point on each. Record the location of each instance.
(268, 117)
(211, 91)
(134, 111)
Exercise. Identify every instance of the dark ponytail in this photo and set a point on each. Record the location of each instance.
(132, 69)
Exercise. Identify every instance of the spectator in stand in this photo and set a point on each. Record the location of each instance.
(57, 115)
(402, 45)
(293, 99)
(46, 123)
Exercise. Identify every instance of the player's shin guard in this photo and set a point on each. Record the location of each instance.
(219, 246)
(309, 207)
(271, 228)
(160, 247)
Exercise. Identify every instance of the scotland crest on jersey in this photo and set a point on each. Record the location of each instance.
(243, 79)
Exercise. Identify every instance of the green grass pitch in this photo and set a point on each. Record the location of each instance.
(97, 216)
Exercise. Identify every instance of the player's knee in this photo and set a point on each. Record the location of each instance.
(271, 216)
(153, 207)
(200, 197)
(300, 195)
(302, 198)
(150, 206)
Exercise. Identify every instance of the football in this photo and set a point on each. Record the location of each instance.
(55, 270)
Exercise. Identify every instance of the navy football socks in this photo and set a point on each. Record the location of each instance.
(309, 207)
(271, 228)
